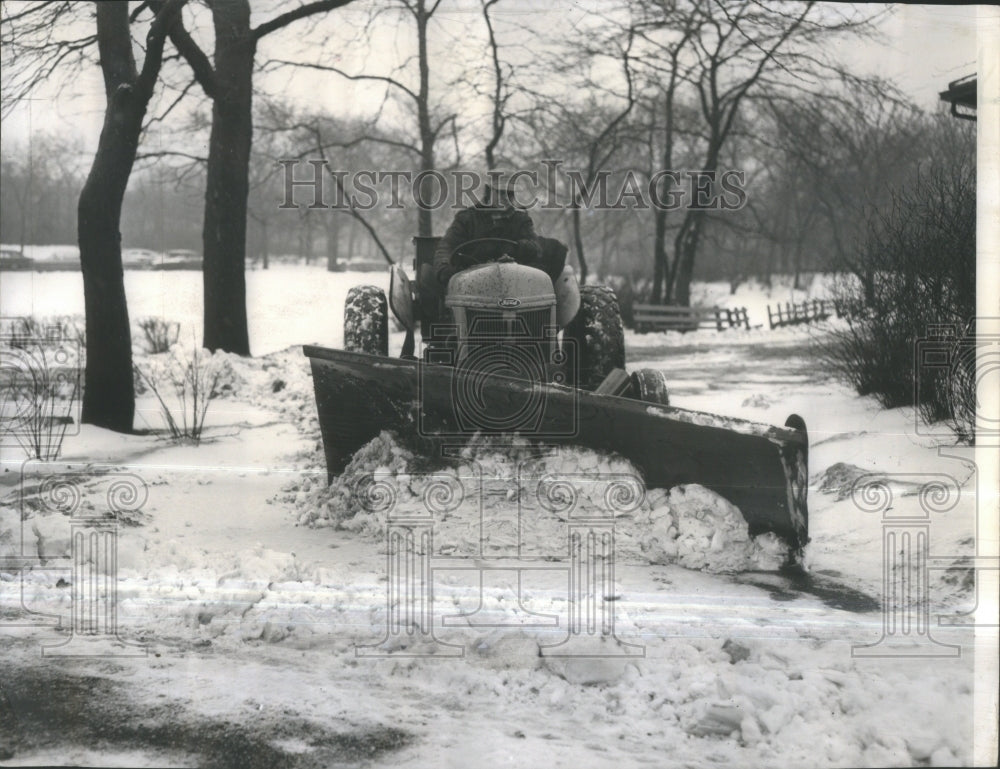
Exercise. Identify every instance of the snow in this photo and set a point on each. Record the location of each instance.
(252, 582)
(504, 498)
(275, 298)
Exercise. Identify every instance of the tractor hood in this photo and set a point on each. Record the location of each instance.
(501, 286)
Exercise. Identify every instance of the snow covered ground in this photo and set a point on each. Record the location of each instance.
(251, 585)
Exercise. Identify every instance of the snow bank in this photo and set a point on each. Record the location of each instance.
(503, 495)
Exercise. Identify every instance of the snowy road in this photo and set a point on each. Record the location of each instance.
(251, 622)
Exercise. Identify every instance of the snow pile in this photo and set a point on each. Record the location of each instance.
(190, 373)
(282, 382)
(503, 496)
(774, 700)
(318, 505)
(840, 478)
(698, 529)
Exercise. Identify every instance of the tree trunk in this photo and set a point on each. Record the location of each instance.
(25, 207)
(265, 245)
(671, 269)
(659, 256)
(687, 249)
(352, 233)
(797, 265)
(307, 238)
(227, 185)
(332, 241)
(108, 392)
(425, 218)
(578, 242)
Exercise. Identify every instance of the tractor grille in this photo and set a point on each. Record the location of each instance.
(517, 346)
(528, 324)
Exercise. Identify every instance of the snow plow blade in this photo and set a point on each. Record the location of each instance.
(760, 468)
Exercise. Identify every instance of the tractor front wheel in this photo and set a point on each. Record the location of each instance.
(595, 340)
(366, 321)
(650, 386)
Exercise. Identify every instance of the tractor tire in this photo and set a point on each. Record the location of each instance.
(366, 321)
(650, 386)
(595, 339)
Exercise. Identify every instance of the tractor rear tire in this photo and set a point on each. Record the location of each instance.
(595, 339)
(650, 386)
(366, 321)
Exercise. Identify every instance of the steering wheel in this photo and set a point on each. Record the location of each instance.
(468, 261)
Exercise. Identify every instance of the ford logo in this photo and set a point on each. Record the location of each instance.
(509, 302)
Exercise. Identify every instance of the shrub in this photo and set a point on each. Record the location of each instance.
(194, 377)
(39, 388)
(919, 259)
(160, 335)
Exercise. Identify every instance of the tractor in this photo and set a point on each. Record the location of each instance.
(505, 349)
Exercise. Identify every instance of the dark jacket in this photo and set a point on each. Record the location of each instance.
(553, 256)
(485, 221)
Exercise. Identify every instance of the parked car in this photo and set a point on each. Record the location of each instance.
(179, 259)
(13, 259)
(140, 258)
(47, 258)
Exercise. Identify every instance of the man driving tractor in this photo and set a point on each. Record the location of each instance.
(491, 229)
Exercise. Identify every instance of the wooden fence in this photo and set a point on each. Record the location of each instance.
(659, 317)
(801, 312)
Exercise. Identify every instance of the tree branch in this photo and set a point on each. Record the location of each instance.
(155, 39)
(169, 154)
(200, 65)
(327, 68)
(284, 19)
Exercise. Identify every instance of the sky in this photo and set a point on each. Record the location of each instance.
(923, 48)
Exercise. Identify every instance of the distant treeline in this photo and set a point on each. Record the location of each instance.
(808, 199)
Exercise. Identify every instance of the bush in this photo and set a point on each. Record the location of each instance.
(160, 335)
(39, 387)
(918, 283)
(195, 377)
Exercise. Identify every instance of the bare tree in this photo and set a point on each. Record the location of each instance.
(849, 146)
(227, 78)
(596, 129)
(715, 56)
(666, 32)
(109, 397)
(318, 135)
(431, 119)
(500, 95)
(41, 184)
